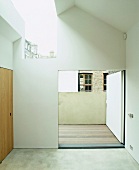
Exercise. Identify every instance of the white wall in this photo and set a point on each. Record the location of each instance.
(132, 92)
(68, 81)
(6, 53)
(82, 46)
(36, 81)
(35, 101)
(11, 16)
(83, 43)
(86, 43)
(115, 113)
(11, 29)
(7, 31)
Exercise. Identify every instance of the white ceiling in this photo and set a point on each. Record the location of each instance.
(63, 5)
(121, 14)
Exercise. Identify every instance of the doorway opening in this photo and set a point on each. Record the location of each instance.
(91, 109)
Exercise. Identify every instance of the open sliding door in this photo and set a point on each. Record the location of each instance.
(6, 112)
(115, 104)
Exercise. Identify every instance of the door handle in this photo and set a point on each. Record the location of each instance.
(130, 115)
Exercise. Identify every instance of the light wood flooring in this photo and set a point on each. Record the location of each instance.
(86, 134)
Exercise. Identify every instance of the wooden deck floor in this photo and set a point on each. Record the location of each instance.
(86, 134)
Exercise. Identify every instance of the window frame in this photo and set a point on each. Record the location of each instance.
(105, 83)
(85, 84)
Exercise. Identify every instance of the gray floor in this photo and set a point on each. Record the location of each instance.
(72, 159)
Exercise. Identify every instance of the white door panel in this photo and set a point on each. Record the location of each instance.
(115, 112)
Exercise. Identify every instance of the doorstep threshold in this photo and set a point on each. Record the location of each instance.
(90, 146)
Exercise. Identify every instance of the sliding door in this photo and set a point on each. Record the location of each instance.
(6, 112)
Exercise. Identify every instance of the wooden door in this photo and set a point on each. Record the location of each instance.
(6, 112)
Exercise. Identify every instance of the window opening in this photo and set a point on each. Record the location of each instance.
(85, 82)
(105, 81)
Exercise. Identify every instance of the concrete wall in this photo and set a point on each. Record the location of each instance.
(82, 108)
(132, 92)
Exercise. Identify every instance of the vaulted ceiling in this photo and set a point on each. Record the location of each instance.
(121, 14)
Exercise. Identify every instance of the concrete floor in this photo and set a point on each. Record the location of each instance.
(72, 159)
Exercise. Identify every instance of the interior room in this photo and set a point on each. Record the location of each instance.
(77, 35)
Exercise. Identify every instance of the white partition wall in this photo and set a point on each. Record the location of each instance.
(36, 81)
(132, 90)
(68, 81)
(11, 29)
(114, 116)
(6, 53)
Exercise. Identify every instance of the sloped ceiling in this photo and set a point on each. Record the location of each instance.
(121, 14)
(63, 5)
